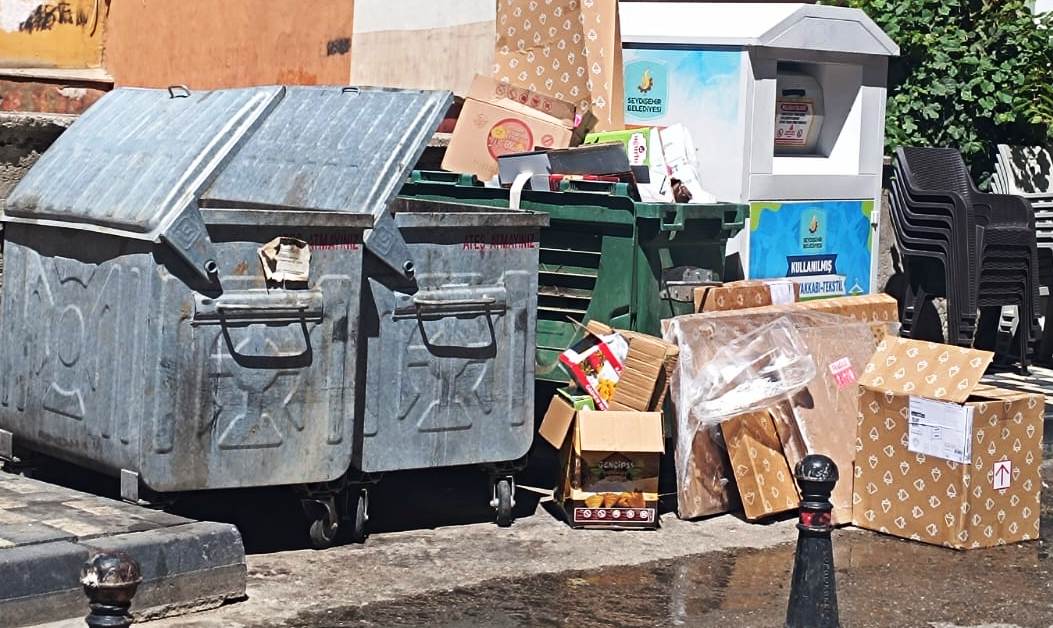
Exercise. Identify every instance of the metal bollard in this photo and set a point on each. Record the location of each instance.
(813, 592)
(110, 580)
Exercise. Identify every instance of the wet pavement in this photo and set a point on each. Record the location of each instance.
(881, 582)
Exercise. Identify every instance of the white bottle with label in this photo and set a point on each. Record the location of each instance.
(798, 114)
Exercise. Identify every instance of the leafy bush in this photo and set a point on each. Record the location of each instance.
(972, 74)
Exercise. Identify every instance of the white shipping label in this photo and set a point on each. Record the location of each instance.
(793, 122)
(940, 429)
(781, 292)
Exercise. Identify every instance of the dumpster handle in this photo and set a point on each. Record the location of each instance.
(422, 302)
(677, 223)
(185, 91)
(350, 90)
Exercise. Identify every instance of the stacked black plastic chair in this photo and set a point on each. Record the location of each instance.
(1027, 171)
(976, 250)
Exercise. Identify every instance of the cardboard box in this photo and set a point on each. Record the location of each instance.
(500, 119)
(610, 464)
(644, 379)
(819, 419)
(739, 295)
(765, 482)
(596, 363)
(940, 458)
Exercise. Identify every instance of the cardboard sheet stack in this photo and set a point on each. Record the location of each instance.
(608, 430)
(925, 451)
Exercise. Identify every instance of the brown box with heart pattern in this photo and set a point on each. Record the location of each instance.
(941, 458)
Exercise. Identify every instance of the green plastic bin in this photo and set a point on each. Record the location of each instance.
(603, 255)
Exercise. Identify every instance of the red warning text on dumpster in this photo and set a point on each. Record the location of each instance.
(495, 241)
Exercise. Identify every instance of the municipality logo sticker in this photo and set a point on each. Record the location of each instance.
(646, 90)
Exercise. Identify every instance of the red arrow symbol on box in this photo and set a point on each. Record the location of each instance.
(1001, 472)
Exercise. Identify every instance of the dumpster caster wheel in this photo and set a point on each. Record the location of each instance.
(325, 523)
(503, 501)
(360, 518)
(323, 533)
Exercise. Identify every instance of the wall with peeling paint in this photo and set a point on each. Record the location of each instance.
(52, 33)
(210, 43)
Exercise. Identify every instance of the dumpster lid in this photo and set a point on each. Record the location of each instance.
(133, 164)
(755, 24)
(339, 149)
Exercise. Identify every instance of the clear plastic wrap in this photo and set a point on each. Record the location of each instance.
(753, 372)
(820, 418)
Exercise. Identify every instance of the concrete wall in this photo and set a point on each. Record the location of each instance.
(227, 43)
(422, 43)
(52, 33)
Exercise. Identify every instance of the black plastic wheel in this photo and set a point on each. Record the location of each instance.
(504, 502)
(323, 533)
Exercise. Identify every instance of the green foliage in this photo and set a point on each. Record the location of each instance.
(972, 74)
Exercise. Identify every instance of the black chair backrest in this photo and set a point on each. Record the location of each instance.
(936, 170)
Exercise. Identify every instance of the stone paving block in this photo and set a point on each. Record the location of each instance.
(47, 532)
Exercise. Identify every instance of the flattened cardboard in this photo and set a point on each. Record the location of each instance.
(766, 485)
(643, 382)
(820, 419)
(739, 295)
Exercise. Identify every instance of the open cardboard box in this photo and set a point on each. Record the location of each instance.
(610, 463)
(499, 118)
(941, 458)
(644, 378)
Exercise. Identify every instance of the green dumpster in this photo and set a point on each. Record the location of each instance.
(604, 255)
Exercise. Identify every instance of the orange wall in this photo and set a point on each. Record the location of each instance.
(52, 33)
(225, 43)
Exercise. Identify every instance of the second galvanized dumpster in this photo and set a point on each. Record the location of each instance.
(141, 335)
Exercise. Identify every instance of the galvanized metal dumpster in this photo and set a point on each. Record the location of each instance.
(139, 335)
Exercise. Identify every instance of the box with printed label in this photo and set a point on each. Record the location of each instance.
(941, 458)
(503, 119)
(740, 295)
(609, 465)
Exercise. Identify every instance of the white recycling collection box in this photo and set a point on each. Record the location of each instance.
(786, 107)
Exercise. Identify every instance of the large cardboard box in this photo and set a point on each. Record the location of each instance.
(610, 464)
(499, 118)
(819, 419)
(765, 482)
(940, 458)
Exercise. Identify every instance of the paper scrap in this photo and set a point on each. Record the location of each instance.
(286, 259)
(940, 429)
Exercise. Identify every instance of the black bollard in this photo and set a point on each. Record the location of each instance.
(813, 592)
(110, 580)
